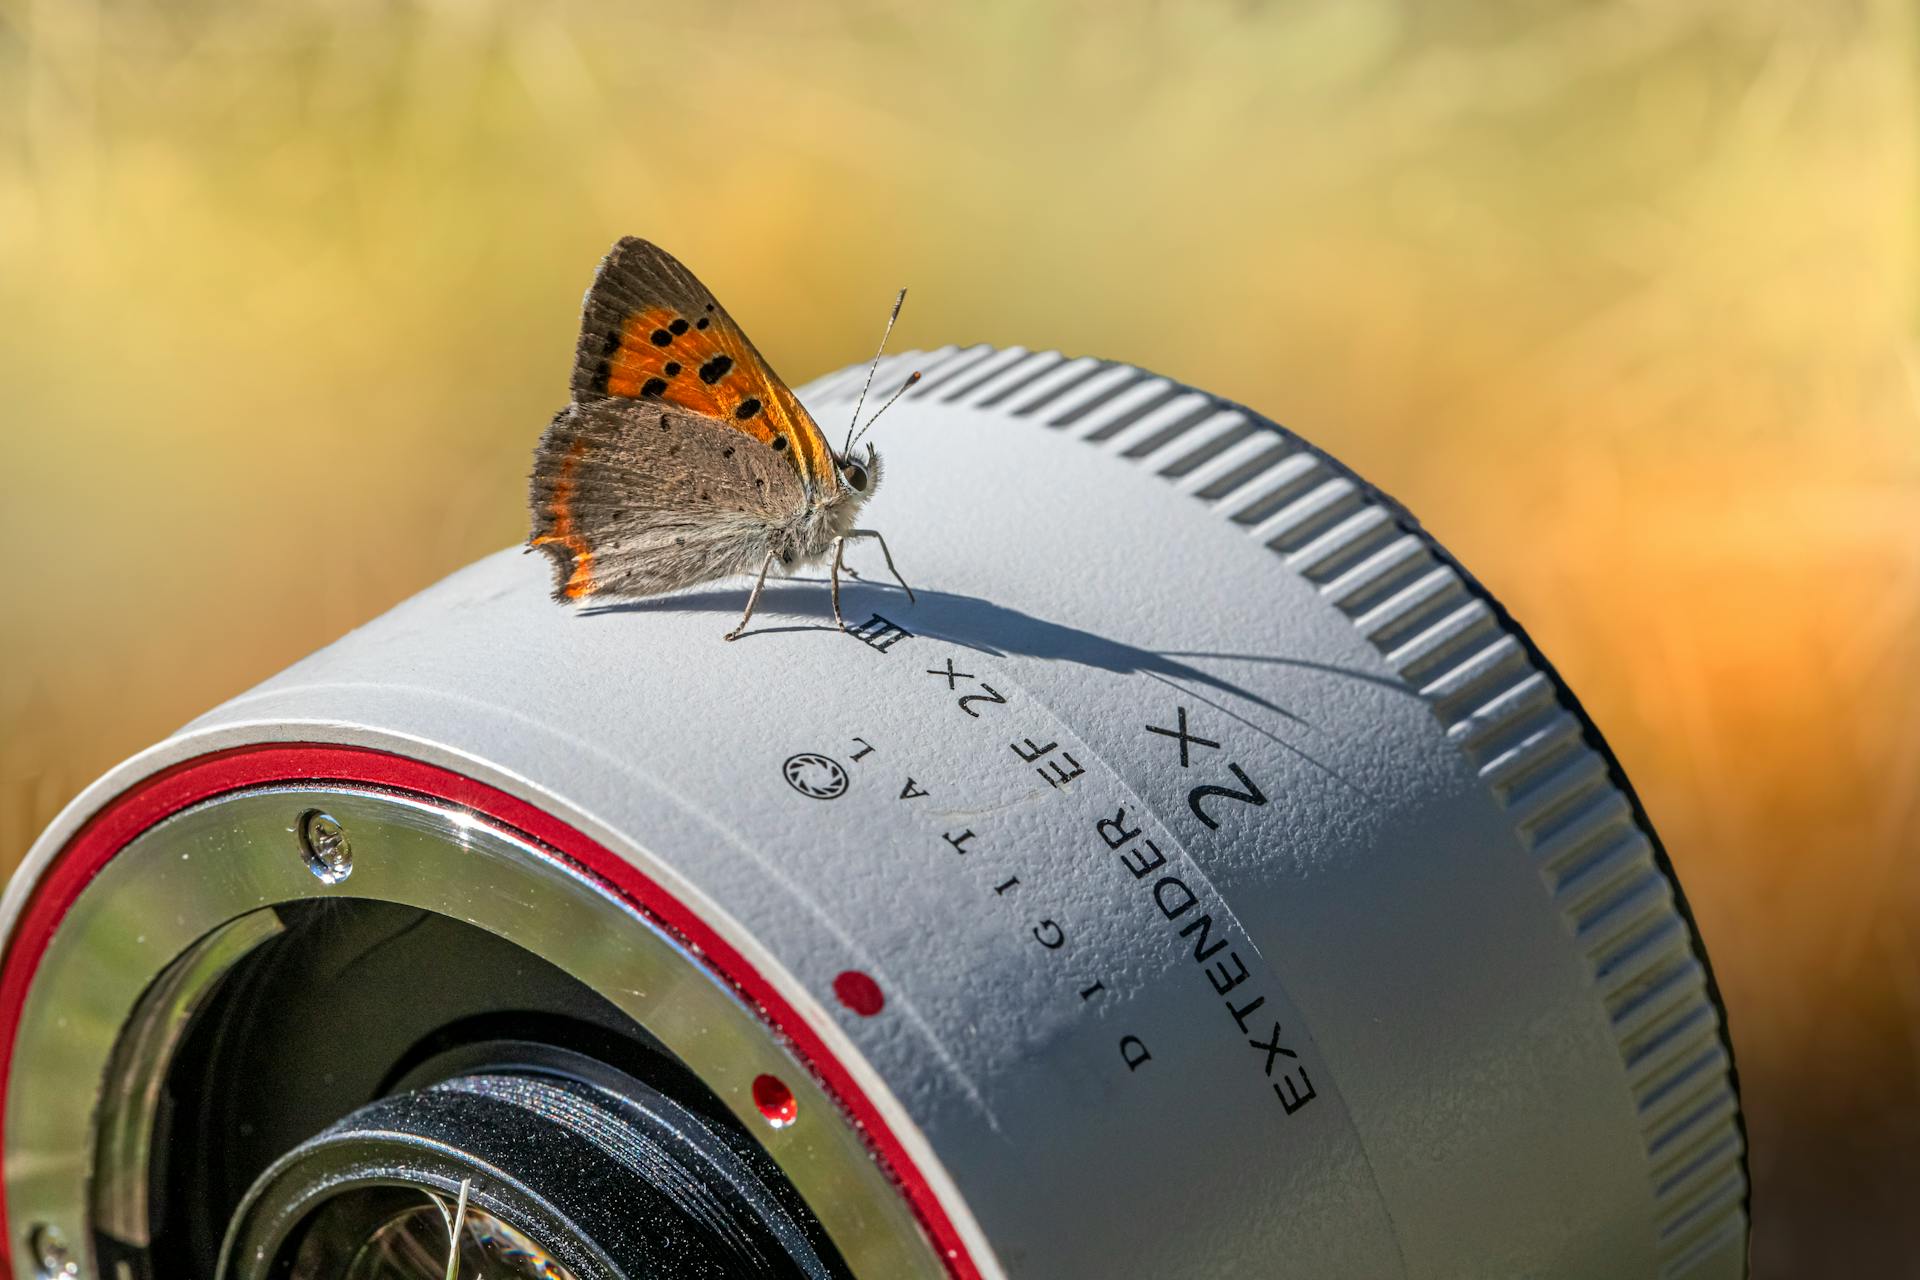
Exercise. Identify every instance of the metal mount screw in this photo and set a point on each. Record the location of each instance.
(51, 1253)
(323, 842)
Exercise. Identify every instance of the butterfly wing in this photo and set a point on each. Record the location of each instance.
(633, 499)
(650, 331)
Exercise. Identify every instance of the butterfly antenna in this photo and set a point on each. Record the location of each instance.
(855, 439)
(898, 302)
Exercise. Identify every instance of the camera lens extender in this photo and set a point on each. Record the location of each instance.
(1204, 878)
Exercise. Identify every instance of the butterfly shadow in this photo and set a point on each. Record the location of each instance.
(997, 630)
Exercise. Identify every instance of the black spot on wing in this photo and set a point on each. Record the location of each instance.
(715, 369)
(661, 337)
(673, 369)
(703, 323)
(653, 388)
(678, 326)
(779, 444)
(747, 409)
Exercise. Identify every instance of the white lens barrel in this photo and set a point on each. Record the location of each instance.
(1203, 877)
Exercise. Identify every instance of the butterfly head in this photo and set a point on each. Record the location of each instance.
(860, 475)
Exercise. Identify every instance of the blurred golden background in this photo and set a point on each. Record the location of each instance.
(1619, 297)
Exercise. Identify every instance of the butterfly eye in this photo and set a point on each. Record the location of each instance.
(856, 476)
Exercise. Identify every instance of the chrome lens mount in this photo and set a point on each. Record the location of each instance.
(210, 929)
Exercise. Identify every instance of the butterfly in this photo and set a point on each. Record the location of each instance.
(682, 457)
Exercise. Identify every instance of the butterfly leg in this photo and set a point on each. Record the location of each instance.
(753, 598)
(875, 535)
(839, 563)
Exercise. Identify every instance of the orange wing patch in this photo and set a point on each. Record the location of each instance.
(650, 330)
(566, 536)
(703, 365)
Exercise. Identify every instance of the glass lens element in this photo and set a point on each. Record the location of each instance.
(411, 1244)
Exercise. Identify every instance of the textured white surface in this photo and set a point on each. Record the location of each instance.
(1400, 900)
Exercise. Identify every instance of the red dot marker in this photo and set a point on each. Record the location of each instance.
(775, 1100)
(860, 993)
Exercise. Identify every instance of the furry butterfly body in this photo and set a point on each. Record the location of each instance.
(683, 458)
